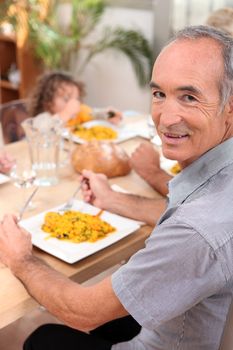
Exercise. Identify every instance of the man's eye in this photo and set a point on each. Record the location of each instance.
(158, 94)
(189, 98)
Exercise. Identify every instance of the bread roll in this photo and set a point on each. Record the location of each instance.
(101, 157)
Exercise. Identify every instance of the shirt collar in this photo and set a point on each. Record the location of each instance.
(197, 173)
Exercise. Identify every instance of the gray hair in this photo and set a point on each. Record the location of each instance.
(225, 42)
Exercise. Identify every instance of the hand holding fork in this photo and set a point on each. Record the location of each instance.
(69, 204)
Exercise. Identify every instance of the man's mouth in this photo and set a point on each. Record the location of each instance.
(175, 136)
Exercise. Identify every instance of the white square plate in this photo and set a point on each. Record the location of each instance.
(4, 178)
(124, 133)
(72, 252)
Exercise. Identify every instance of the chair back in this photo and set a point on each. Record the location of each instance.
(11, 116)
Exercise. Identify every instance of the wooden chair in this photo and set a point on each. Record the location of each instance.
(11, 116)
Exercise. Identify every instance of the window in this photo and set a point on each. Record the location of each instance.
(193, 12)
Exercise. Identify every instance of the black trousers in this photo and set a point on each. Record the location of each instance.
(59, 337)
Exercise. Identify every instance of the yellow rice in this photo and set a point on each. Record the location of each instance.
(76, 226)
(175, 169)
(97, 132)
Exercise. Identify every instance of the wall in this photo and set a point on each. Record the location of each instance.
(109, 77)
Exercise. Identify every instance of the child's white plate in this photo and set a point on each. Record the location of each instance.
(124, 133)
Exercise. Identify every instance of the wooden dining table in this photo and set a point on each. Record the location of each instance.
(15, 302)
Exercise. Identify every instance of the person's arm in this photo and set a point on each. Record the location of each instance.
(145, 160)
(77, 306)
(110, 114)
(99, 193)
(6, 163)
(70, 111)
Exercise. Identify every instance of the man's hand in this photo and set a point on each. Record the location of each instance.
(96, 189)
(145, 160)
(15, 242)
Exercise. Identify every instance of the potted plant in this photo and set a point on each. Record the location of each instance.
(56, 45)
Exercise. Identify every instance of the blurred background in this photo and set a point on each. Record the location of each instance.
(109, 76)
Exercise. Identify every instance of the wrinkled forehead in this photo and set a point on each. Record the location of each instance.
(202, 55)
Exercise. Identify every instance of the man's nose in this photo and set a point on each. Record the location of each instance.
(170, 114)
(168, 119)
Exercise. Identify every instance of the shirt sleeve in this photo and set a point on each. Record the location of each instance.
(176, 270)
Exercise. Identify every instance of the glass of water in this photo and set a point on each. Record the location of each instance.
(23, 177)
(43, 134)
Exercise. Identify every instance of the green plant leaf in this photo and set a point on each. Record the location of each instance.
(55, 45)
(133, 44)
(85, 15)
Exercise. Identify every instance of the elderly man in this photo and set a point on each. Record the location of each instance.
(179, 287)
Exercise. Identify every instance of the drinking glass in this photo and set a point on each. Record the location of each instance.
(43, 134)
(66, 145)
(23, 177)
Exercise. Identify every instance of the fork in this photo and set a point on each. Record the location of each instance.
(68, 205)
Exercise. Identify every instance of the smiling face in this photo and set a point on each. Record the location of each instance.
(186, 99)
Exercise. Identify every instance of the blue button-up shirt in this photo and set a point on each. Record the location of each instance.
(179, 287)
